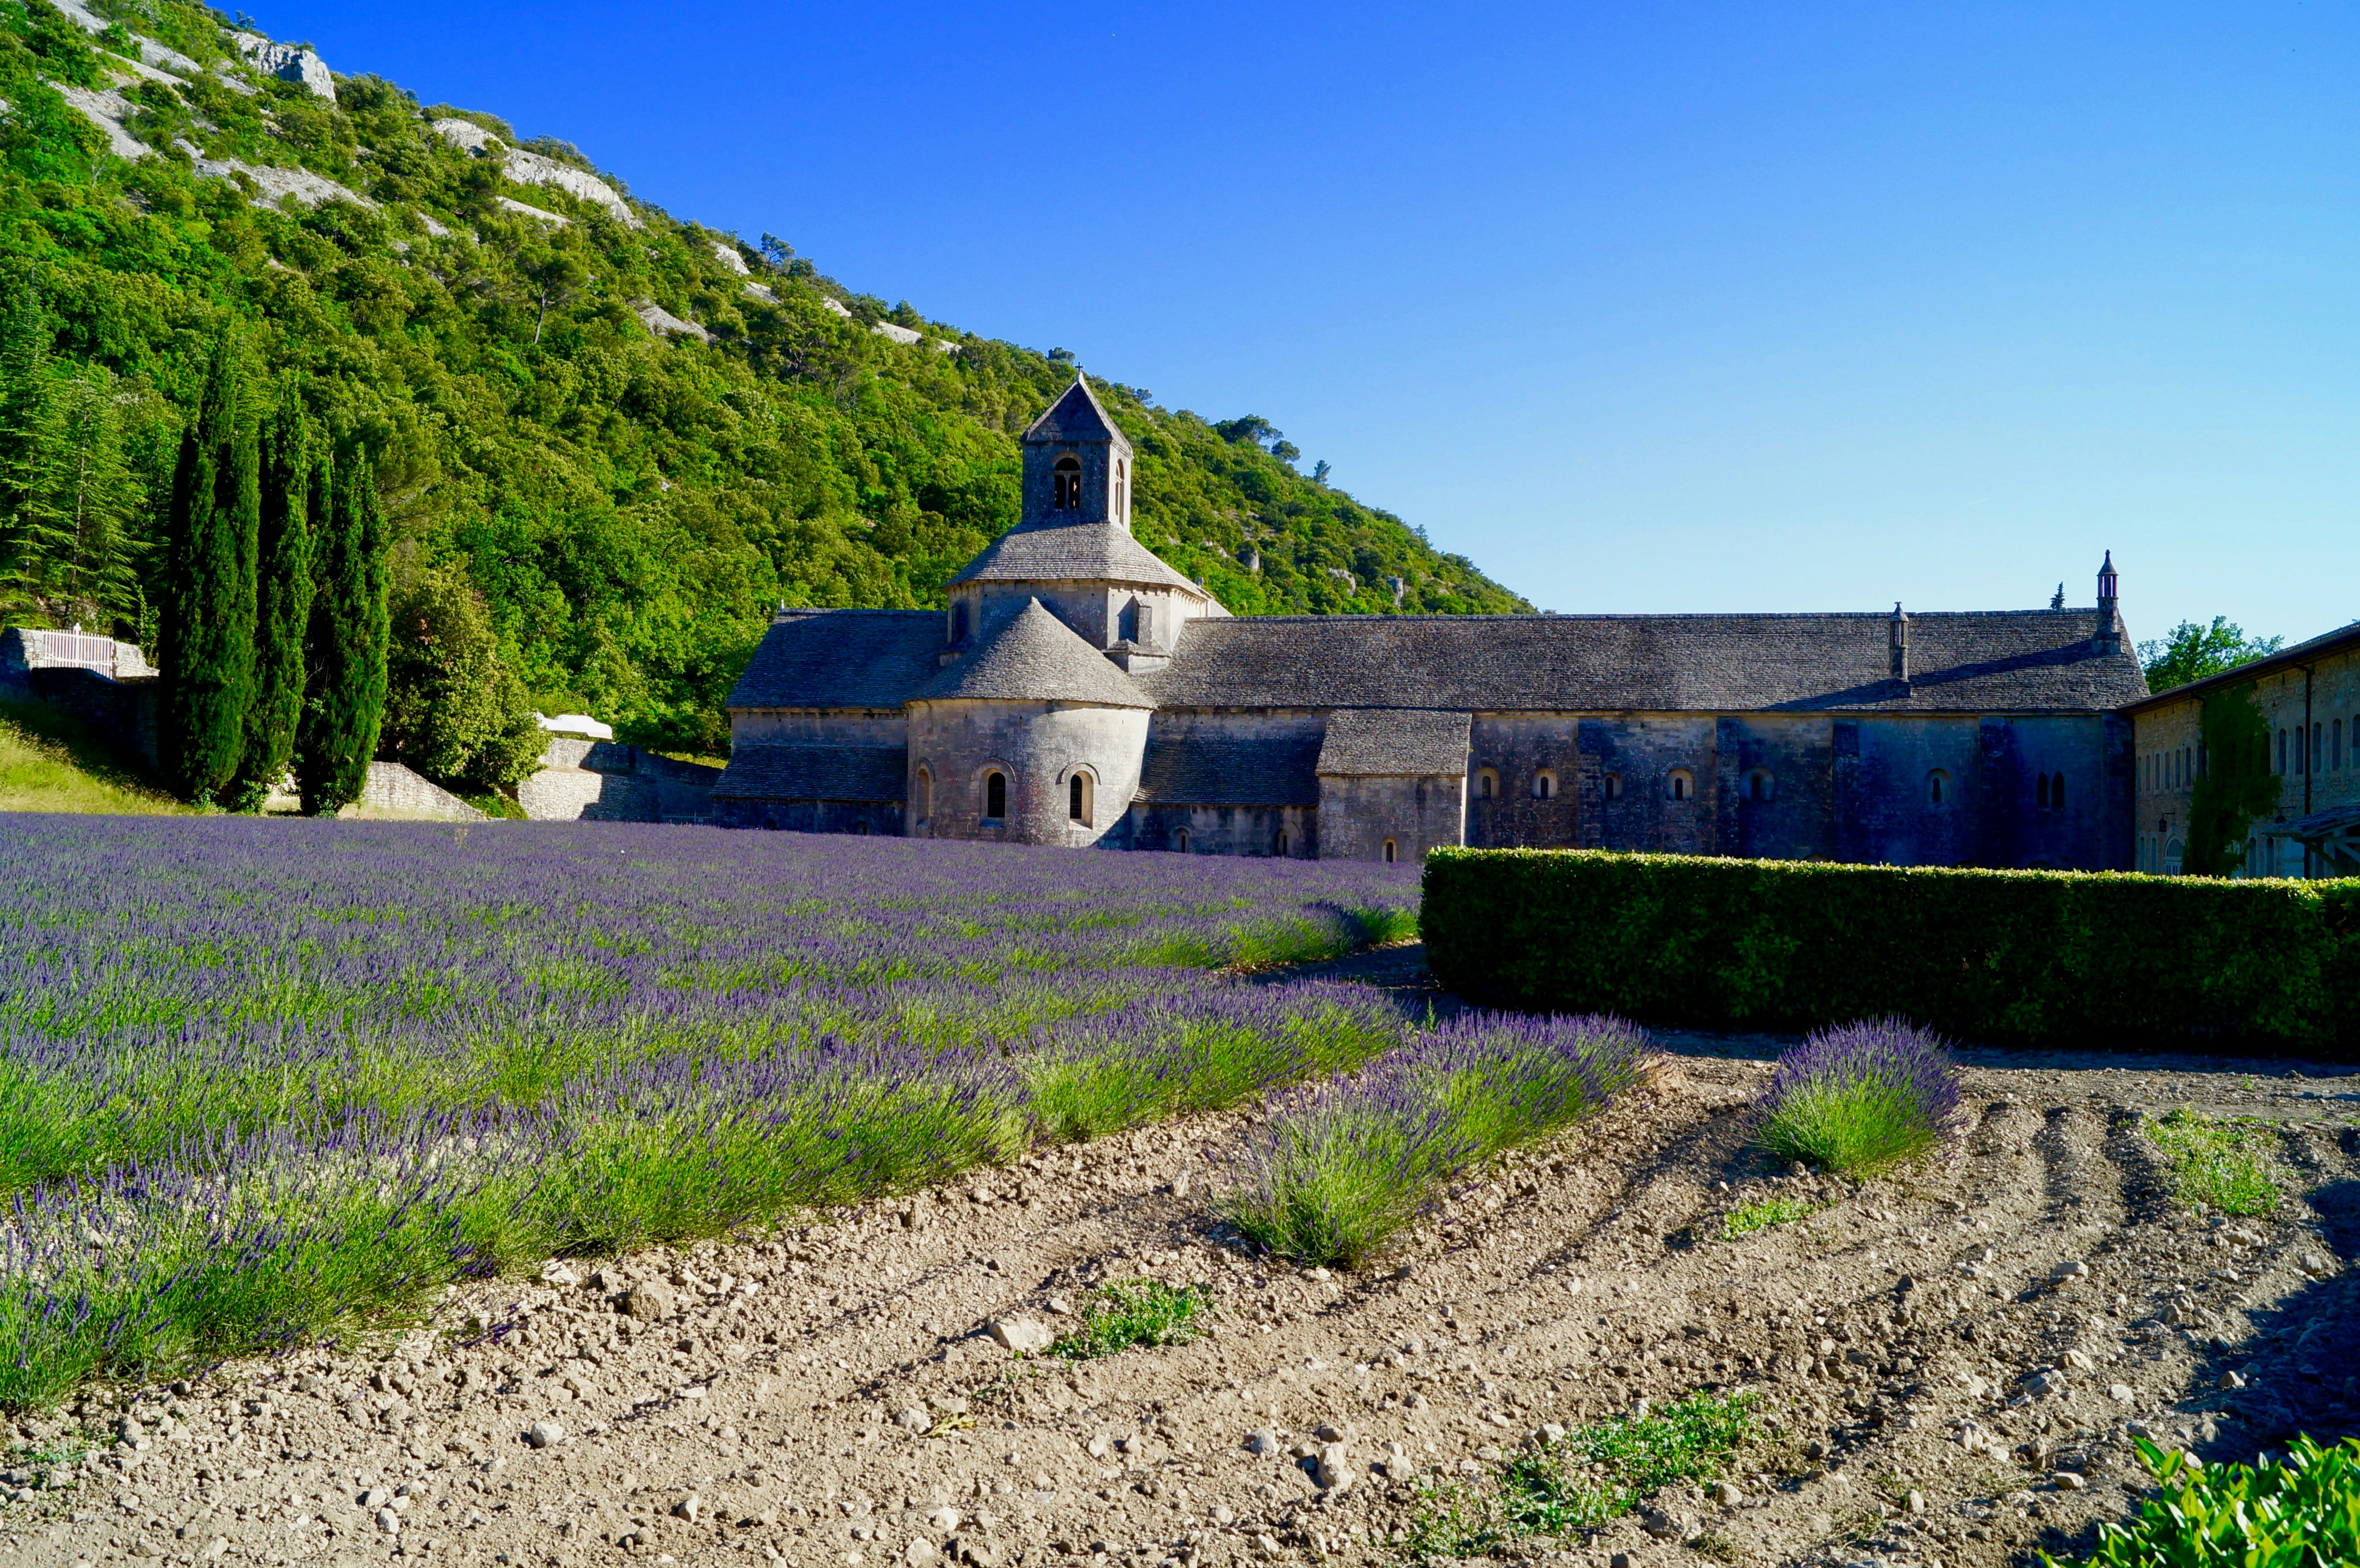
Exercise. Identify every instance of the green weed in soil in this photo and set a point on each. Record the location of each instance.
(1130, 1312)
(2224, 1163)
(1748, 1218)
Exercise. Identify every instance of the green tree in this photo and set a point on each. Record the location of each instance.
(282, 602)
(24, 388)
(2233, 782)
(207, 635)
(345, 704)
(453, 709)
(82, 508)
(2194, 651)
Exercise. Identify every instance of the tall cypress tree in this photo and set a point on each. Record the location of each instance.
(207, 635)
(282, 602)
(348, 641)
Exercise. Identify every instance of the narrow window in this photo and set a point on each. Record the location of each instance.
(1121, 489)
(860, 826)
(1077, 797)
(1389, 851)
(1937, 787)
(1544, 785)
(925, 795)
(1759, 786)
(1281, 841)
(1683, 786)
(1065, 485)
(995, 797)
(958, 622)
(1180, 840)
(1487, 784)
(1614, 786)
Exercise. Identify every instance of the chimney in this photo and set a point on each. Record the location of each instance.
(1898, 640)
(2108, 638)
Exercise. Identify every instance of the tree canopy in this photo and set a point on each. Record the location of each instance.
(2191, 653)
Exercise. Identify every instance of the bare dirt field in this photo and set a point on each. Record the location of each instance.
(1951, 1361)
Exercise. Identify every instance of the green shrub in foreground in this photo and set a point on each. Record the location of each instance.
(2016, 955)
(2302, 1511)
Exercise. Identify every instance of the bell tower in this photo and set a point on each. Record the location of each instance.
(1078, 466)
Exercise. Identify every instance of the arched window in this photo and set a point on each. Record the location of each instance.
(2040, 792)
(860, 826)
(1683, 785)
(1938, 788)
(1280, 845)
(1180, 840)
(1759, 786)
(1121, 489)
(1065, 485)
(1614, 786)
(925, 795)
(1389, 853)
(994, 795)
(958, 622)
(1544, 785)
(1487, 784)
(1077, 797)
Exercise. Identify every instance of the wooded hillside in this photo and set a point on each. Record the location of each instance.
(631, 500)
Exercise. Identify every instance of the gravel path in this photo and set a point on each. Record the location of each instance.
(1954, 1358)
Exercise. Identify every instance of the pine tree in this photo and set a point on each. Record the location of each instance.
(24, 393)
(207, 636)
(348, 641)
(282, 603)
(82, 511)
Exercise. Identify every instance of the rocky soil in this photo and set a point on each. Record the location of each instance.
(1953, 1360)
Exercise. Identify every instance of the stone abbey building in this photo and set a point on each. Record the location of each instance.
(1077, 690)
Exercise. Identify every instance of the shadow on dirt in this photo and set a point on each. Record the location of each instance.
(2301, 1368)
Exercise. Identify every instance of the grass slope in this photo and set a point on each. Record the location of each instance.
(50, 761)
(632, 505)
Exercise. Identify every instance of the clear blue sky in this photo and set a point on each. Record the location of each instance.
(1655, 307)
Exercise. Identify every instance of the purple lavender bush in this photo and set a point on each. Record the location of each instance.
(262, 1083)
(1339, 1171)
(1860, 1098)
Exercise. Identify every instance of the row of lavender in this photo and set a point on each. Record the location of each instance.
(261, 1079)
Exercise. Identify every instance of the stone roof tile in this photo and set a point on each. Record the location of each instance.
(2000, 661)
(1035, 657)
(1395, 743)
(1200, 769)
(1080, 551)
(1076, 416)
(842, 658)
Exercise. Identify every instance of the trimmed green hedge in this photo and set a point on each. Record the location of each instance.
(2003, 957)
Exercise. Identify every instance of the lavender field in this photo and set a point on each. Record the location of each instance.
(263, 1082)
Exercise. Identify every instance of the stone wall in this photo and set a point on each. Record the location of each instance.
(395, 791)
(2313, 714)
(607, 781)
(1512, 754)
(1360, 814)
(1038, 746)
(1289, 832)
(858, 817)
